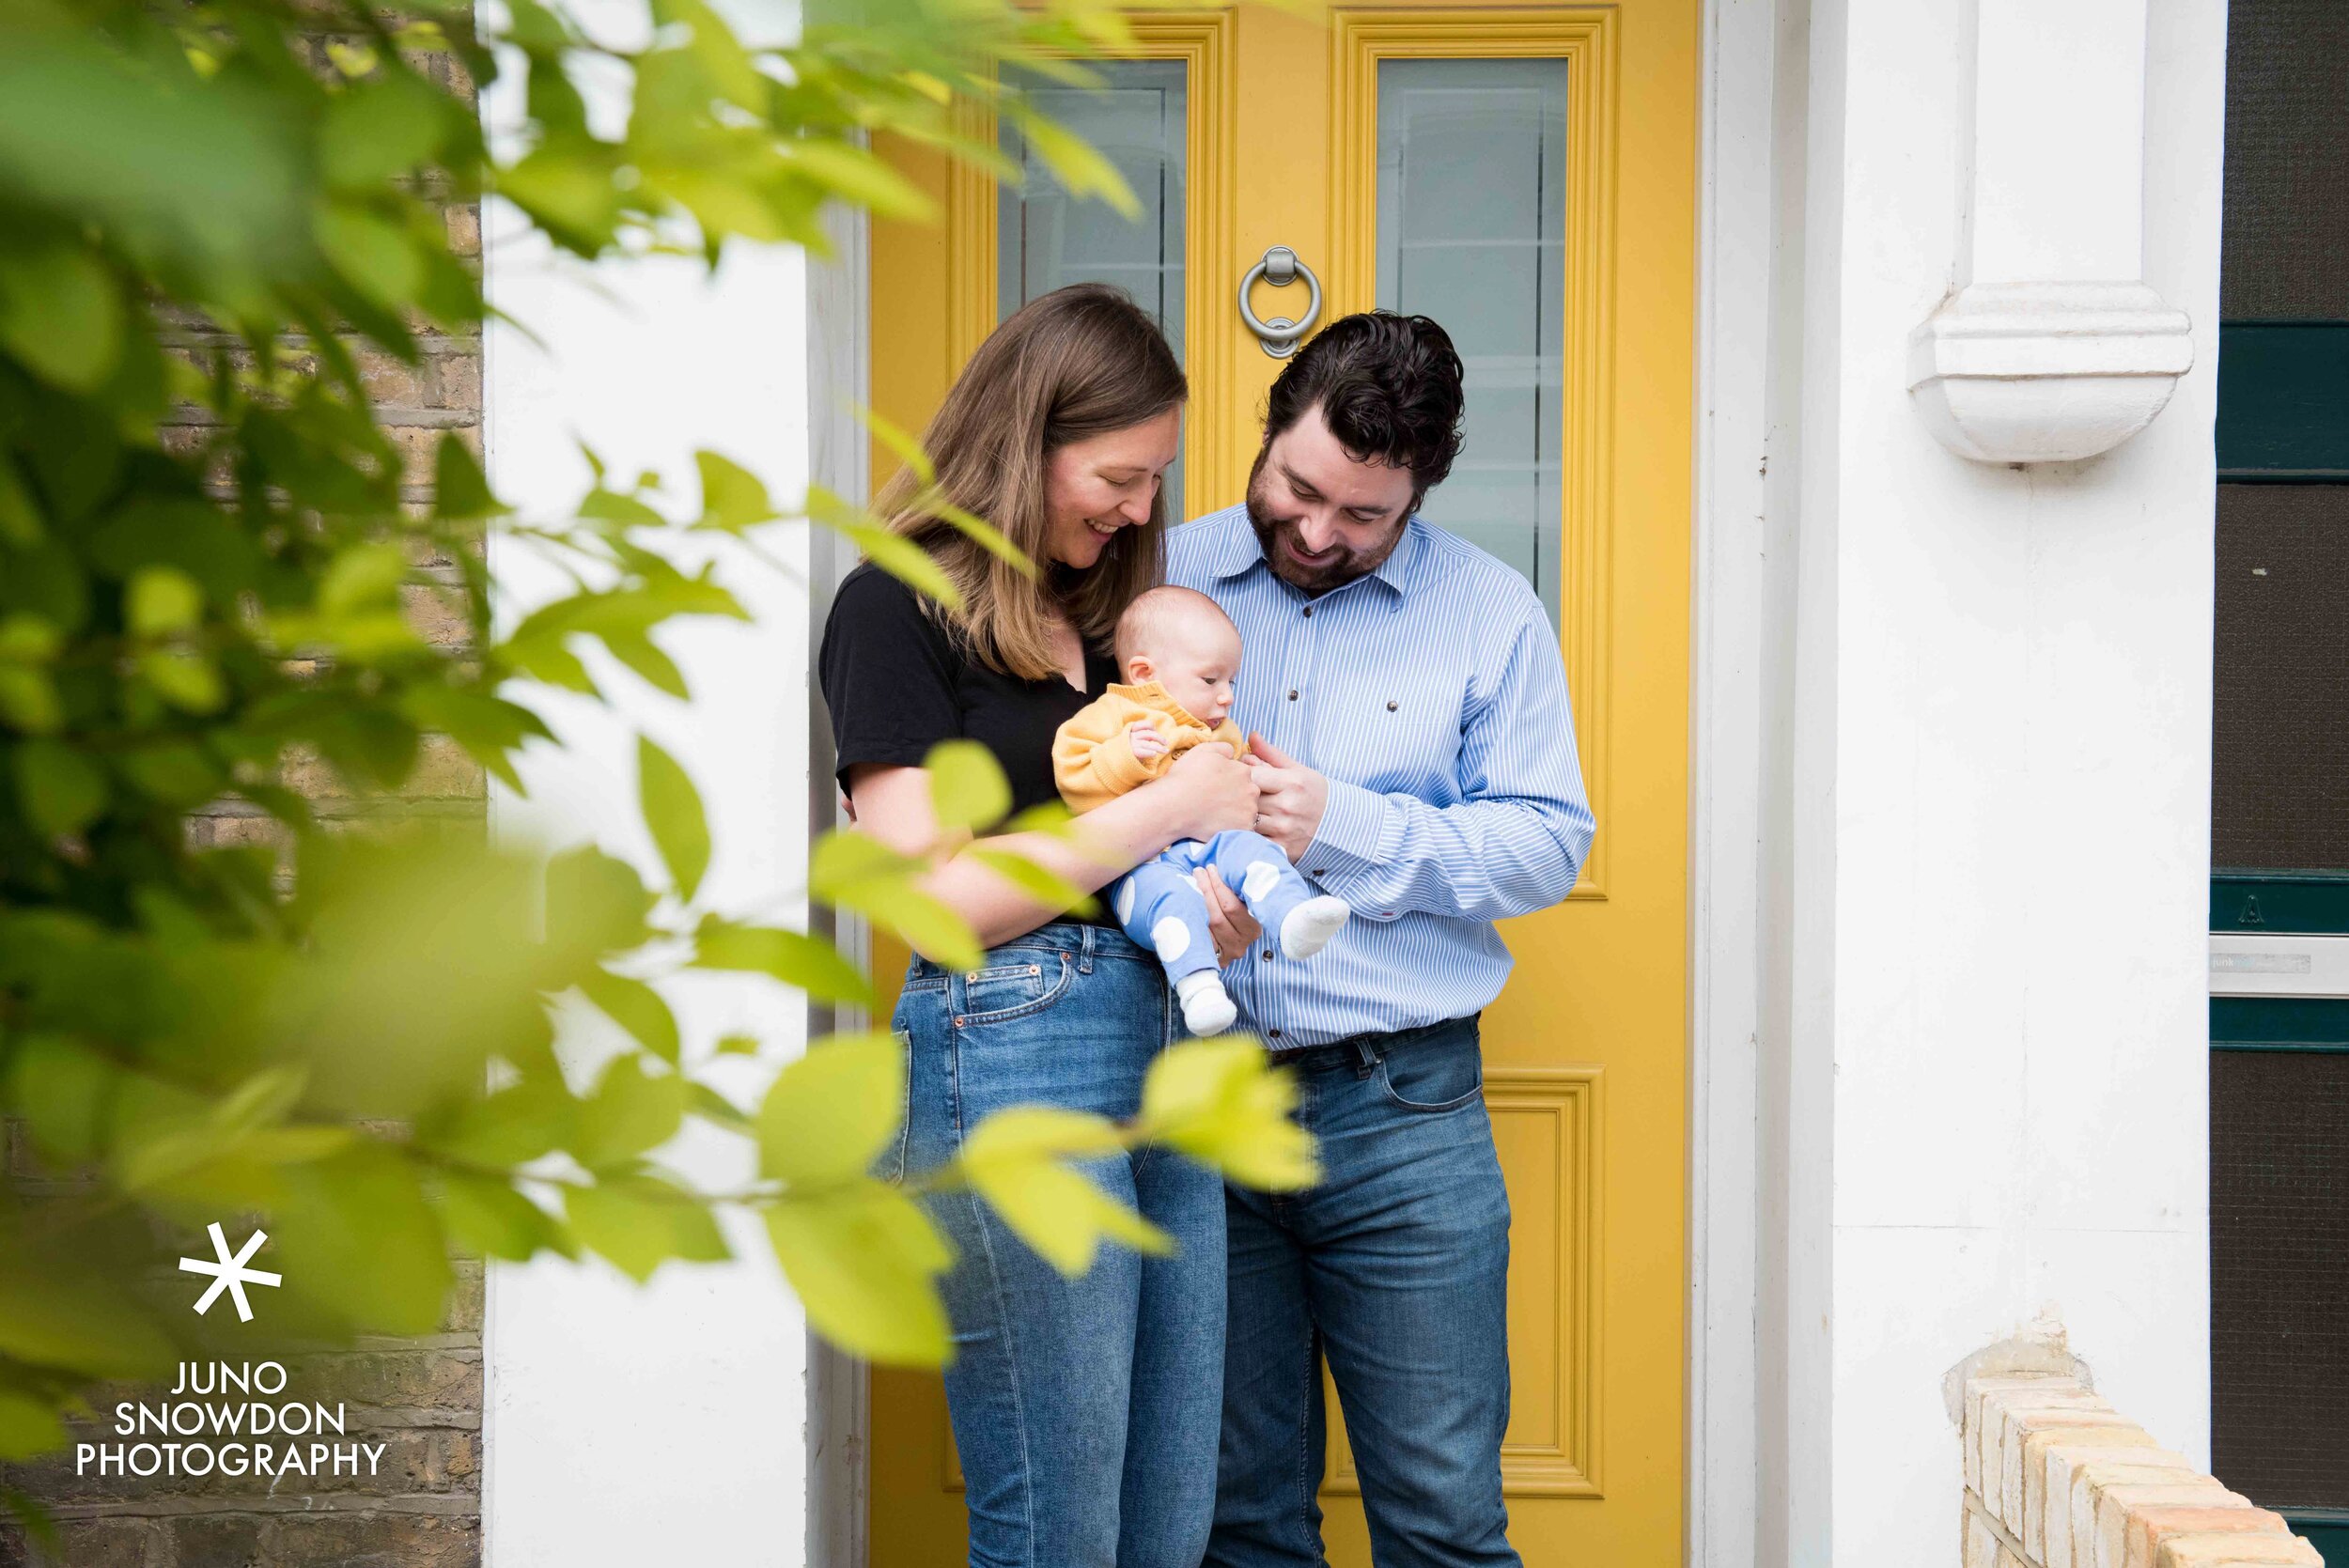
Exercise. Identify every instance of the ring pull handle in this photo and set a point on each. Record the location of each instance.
(1280, 267)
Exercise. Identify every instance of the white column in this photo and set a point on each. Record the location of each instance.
(1985, 864)
(662, 1424)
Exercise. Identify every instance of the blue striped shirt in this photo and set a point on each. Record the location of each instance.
(1431, 695)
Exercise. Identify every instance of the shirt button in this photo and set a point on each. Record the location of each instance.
(1309, 611)
(1292, 694)
(1267, 955)
(1390, 705)
(1272, 1033)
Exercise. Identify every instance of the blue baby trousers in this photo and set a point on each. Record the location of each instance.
(1162, 909)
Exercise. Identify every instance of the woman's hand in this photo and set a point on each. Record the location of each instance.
(1234, 929)
(1214, 792)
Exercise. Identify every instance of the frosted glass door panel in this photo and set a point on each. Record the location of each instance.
(1472, 231)
(1047, 238)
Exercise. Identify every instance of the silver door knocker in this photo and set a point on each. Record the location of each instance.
(1280, 267)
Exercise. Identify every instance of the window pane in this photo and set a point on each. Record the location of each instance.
(1472, 231)
(1046, 238)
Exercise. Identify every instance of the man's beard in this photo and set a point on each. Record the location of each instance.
(1272, 535)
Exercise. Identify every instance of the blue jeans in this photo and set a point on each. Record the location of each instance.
(1396, 1269)
(1084, 1410)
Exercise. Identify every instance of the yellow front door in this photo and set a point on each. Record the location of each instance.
(1527, 177)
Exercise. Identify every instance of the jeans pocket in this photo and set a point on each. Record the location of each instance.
(1017, 985)
(1433, 1077)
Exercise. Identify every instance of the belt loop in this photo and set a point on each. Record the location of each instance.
(1365, 1055)
(1085, 960)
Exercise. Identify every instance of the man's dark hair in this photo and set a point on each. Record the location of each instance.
(1387, 385)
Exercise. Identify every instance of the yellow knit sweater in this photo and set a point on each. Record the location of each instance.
(1093, 761)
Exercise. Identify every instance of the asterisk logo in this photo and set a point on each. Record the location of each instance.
(231, 1273)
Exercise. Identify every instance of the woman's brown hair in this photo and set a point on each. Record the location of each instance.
(1076, 362)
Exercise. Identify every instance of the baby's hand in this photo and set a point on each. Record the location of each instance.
(1145, 739)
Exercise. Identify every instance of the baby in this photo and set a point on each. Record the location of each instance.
(1179, 652)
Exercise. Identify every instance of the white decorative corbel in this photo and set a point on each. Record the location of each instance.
(2051, 348)
(2045, 372)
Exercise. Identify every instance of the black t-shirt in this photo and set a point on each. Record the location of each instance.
(897, 684)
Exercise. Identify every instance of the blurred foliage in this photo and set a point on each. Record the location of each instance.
(214, 216)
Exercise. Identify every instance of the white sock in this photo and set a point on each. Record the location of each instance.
(1311, 925)
(1206, 1006)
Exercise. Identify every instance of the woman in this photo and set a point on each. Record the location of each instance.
(1086, 1411)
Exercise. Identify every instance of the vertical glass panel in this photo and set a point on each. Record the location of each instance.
(1472, 231)
(1046, 238)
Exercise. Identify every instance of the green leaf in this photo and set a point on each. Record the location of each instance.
(612, 506)
(510, 1127)
(162, 600)
(1014, 1159)
(864, 1260)
(489, 1219)
(380, 129)
(595, 902)
(1047, 888)
(29, 639)
(1082, 169)
(732, 496)
(20, 520)
(708, 1104)
(828, 1115)
(1225, 1104)
(848, 858)
(63, 790)
(28, 1426)
(188, 681)
(567, 186)
(908, 451)
(28, 700)
(649, 664)
(810, 963)
(967, 790)
(60, 313)
(921, 922)
(990, 537)
(629, 1113)
(459, 488)
(489, 727)
(673, 813)
(64, 1091)
(640, 1222)
(362, 577)
(902, 559)
(726, 64)
(635, 1007)
(55, 1311)
(356, 1235)
(856, 175)
(376, 256)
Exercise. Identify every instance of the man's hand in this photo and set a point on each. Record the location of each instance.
(1288, 812)
(1145, 739)
(1229, 923)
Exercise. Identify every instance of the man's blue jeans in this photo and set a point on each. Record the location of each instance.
(1396, 1269)
(1084, 1410)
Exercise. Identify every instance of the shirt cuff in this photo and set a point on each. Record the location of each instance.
(1360, 829)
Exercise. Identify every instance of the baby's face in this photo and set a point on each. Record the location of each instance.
(1197, 659)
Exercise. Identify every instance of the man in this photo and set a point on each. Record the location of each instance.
(1408, 706)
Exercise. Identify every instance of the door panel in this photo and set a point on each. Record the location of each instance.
(1527, 177)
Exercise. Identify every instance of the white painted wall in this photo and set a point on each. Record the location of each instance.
(665, 1423)
(1984, 825)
